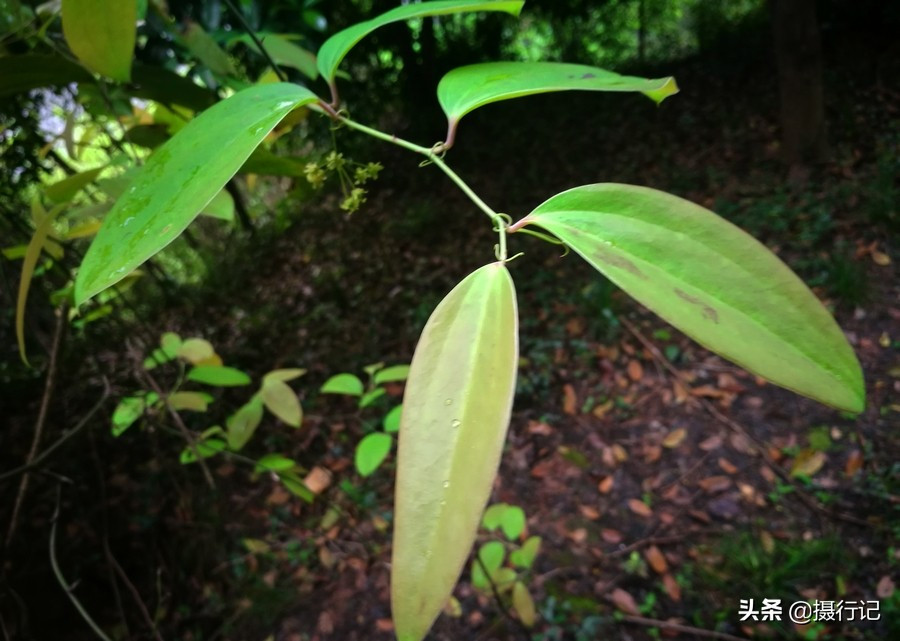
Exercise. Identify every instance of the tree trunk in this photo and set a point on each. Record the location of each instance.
(798, 54)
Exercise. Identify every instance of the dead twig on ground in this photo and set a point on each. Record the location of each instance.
(678, 627)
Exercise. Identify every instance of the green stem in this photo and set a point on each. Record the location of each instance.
(430, 154)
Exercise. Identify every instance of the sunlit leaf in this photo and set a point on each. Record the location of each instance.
(274, 463)
(371, 452)
(179, 179)
(712, 281)
(102, 34)
(281, 400)
(193, 401)
(32, 254)
(348, 384)
(286, 53)
(170, 342)
(467, 88)
(525, 555)
(126, 413)
(221, 207)
(493, 516)
(195, 350)
(392, 419)
(393, 374)
(523, 604)
(241, 425)
(205, 448)
(285, 375)
(218, 375)
(337, 46)
(491, 556)
(371, 396)
(512, 522)
(455, 415)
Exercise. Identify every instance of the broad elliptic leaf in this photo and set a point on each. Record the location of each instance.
(392, 374)
(274, 463)
(467, 88)
(180, 178)
(455, 415)
(102, 34)
(523, 604)
(281, 400)
(127, 412)
(243, 423)
(286, 53)
(392, 419)
(712, 281)
(485, 566)
(348, 384)
(205, 448)
(196, 350)
(513, 522)
(193, 401)
(218, 375)
(371, 452)
(525, 555)
(285, 375)
(493, 516)
(337, 46)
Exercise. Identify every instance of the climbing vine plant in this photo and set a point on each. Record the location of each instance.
(697, 271)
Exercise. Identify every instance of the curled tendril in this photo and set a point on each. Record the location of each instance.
(513, 257)
(338, 119)
(506, 218)
(426, 162)
(497, 252)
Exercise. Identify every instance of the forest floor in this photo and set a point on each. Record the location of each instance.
(665, 483)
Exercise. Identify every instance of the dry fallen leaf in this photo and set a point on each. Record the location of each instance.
(600, 410)
(569, 399)
(611, 536)
(674, 438)
(619, 453)
(885, 587)
(854, 463)
(605, 485)
(808, 462)
(589, 512)
(635, 371)
(727, 466)
(880, 258)
(624, 601)
(714, 442)
(714, 484)
(640, 508)
(317, 480)
(539, 427)
(656, 559)
(672, 587)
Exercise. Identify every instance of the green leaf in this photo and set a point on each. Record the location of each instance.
(370, 397)
(455, 416)
(195, 350)
(467, 88)
(66, 189)
(274, 463)
(343, 384)
(156, 83)
(205, 448)
(170, 343)
(712, 281)
(102, 34)
(285, 375)
(207, 50)
(371, 452)
(296, 486)
(179, 179)
(525, 555)
(221, 207)
(126, 413)
(493, 516)
(464, 89)
(281, 400)
(337, 46)
(286, 53)
(19, 74)
(32, 254)
(218, 375)
(512, 522)
(243, 423)
(491, 555)
(392, 419)
(193, 401)
(523, 604)
(157, 357)
(393, 374)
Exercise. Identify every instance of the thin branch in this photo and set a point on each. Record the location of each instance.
(134, 593)
(185, 432)
(62, 580)
(250, 32)
(678, 627)
(40, 458)
(61, 324)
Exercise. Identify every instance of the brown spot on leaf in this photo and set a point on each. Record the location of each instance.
(708, 312)
(588, 76)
